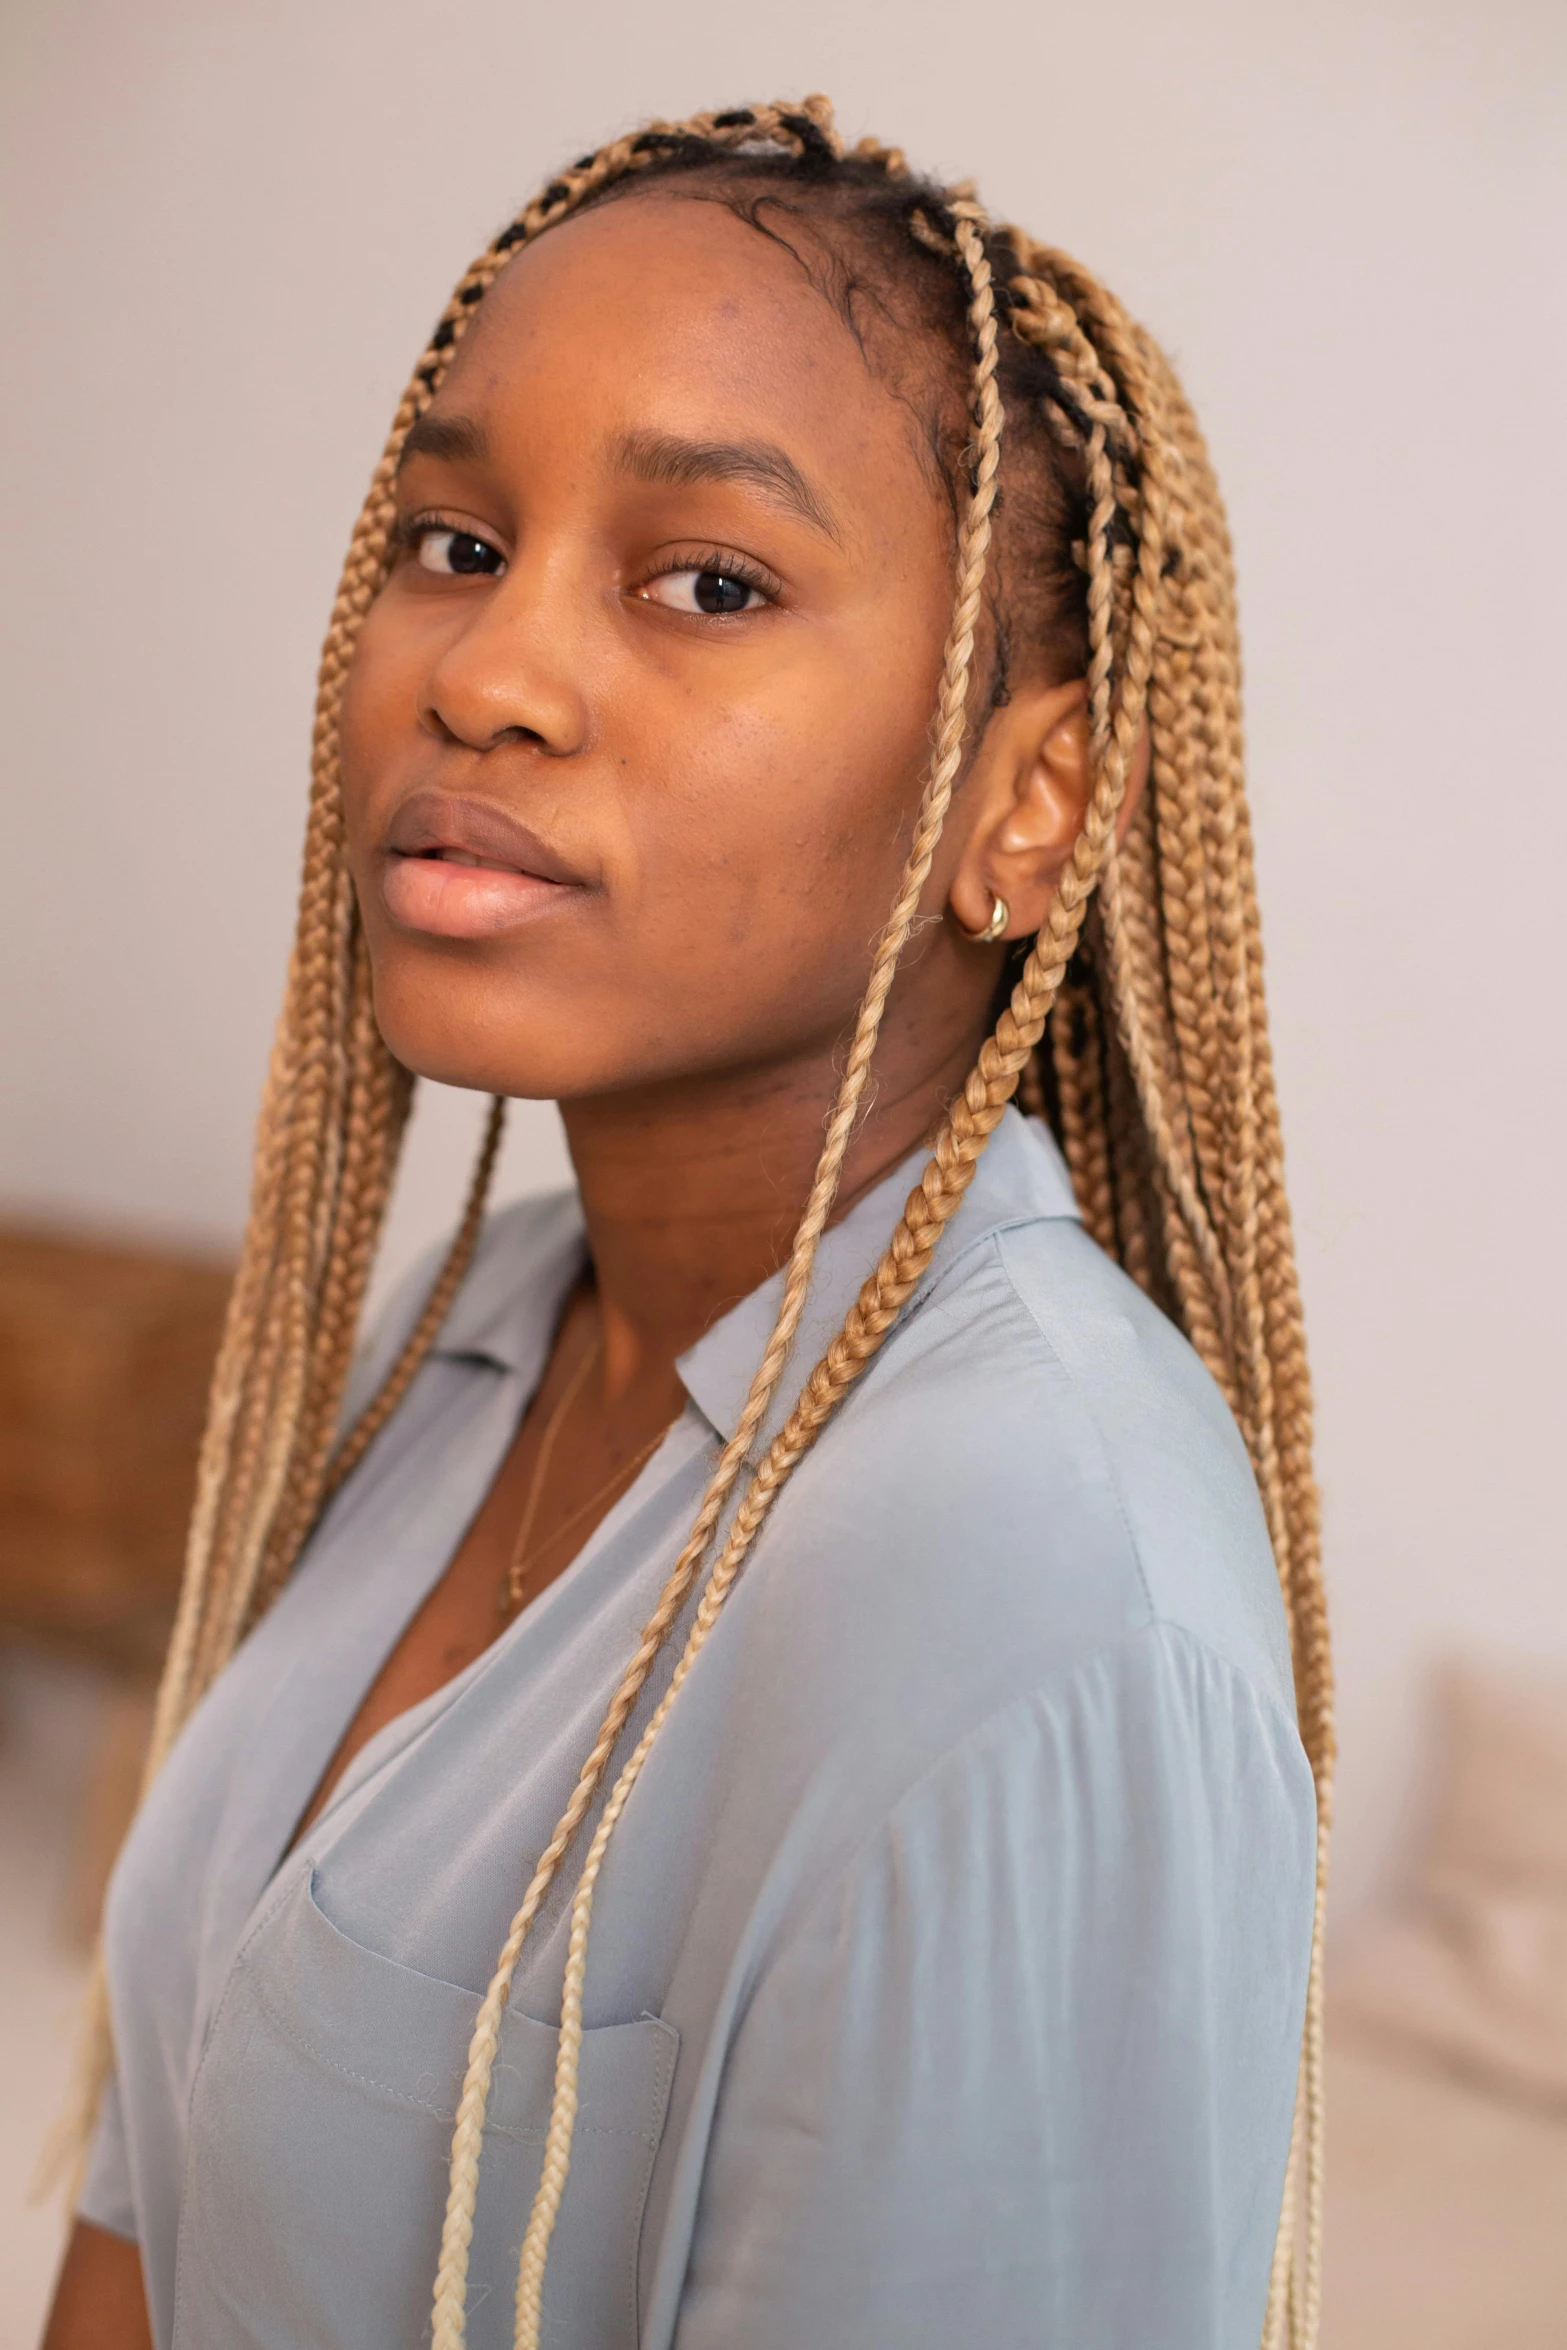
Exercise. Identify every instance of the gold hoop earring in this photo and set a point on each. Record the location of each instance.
(1000, 916)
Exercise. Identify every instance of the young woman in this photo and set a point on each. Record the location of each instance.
(810, 1600)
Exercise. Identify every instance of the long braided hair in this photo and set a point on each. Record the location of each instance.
(1135, 1022)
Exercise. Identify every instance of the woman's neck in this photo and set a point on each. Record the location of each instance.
(692, 1193)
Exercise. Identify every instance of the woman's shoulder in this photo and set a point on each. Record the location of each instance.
(1041, 1453)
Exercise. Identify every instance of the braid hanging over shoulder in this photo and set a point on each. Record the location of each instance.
(1136, 1020)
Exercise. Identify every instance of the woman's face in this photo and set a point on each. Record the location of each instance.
(635, 731)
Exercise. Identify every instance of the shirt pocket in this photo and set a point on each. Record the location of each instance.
(320, 2131)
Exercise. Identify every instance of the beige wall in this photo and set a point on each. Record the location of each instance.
(229, 228)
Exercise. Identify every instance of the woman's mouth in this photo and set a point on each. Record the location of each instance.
(462, 868)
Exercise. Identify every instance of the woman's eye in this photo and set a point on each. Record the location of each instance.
(709, 591)
(458, 554)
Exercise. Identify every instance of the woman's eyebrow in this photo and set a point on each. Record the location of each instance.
(669, 460)
(460, 440)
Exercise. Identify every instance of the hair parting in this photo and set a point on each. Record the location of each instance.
(1135, 1020)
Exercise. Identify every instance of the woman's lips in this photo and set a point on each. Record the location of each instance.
(434, 893)
(462, 868)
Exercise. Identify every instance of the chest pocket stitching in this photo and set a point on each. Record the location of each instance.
(317, 2055)
(668, 2050)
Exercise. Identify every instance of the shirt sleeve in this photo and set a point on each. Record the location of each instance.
(105, 2197)
(1024, 2074)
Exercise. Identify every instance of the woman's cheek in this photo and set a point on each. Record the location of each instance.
(764, 844)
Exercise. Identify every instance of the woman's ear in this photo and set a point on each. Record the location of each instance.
(1028, 795)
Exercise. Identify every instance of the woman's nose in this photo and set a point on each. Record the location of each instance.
(512, 672)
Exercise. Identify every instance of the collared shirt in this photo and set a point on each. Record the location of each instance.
(948, 1963)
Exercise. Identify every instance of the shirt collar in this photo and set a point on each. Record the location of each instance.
(1020, 1179)
(506, 1310)
(530, 1255)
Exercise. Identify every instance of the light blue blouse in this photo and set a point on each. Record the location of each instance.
(948, 1965)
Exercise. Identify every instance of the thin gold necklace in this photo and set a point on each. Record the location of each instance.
(508, 1597)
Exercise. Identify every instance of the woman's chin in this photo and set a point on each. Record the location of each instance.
(443, 1049)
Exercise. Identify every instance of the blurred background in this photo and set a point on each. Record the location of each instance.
(228, 228)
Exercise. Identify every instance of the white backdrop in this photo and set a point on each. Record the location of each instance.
(229, 226)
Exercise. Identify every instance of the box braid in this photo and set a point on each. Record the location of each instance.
(1154, 1067)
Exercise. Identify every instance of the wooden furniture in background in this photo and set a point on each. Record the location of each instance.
(105, 1355)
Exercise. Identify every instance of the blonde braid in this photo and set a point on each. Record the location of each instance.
(1141, 1205)
(1076, 1045)
(453, 1272)
(379, 1097)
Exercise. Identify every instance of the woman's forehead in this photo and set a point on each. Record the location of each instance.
(653, 305)
(693, 253)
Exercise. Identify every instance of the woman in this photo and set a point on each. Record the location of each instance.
(951, 1894)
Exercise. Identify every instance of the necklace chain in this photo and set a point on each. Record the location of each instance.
(514, 1581)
